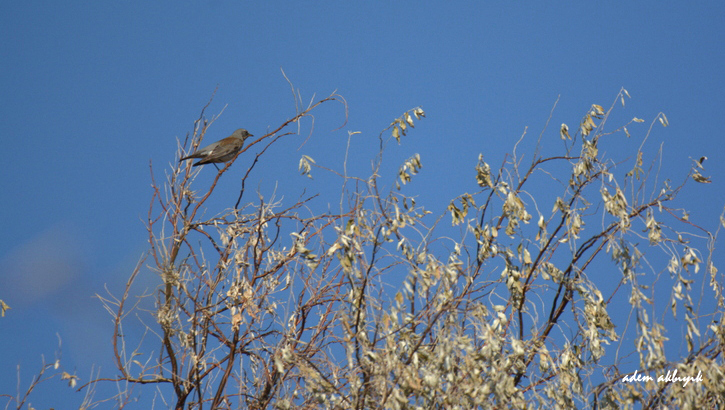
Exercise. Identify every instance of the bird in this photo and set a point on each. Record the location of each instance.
(223, 150)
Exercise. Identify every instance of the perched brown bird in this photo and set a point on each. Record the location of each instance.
(221, 151)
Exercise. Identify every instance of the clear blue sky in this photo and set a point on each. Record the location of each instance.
(92, 91)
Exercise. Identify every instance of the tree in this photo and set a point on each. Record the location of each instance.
(382, 304)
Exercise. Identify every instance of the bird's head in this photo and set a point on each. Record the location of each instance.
(242, 134)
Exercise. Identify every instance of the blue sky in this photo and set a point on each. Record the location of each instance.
(93, 91)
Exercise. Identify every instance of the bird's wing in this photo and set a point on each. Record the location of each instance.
(222, 152)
